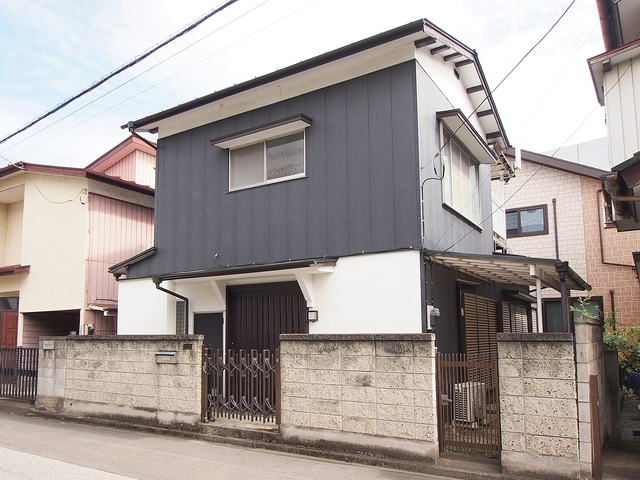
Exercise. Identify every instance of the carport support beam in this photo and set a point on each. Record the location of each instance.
(539, 304)
(563, 269)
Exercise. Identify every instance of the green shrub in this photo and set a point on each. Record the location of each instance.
(627, 342)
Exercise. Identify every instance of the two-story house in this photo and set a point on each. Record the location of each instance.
(60, 229)
(613, 74)
(555, 209)
(348, 193)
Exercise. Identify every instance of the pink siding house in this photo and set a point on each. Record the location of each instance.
(60, 230)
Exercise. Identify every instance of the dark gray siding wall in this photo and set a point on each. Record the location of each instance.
(444, 228)
(361, 191)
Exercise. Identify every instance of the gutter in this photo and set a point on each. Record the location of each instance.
(158, 281)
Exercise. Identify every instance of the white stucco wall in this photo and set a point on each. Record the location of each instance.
(143, 309)
(377, 293)
(373, 293)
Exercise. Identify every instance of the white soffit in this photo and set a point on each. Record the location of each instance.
(464, 131)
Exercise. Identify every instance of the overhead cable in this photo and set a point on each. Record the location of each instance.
(126, 66)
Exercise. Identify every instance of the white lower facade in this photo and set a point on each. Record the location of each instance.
(368, 293)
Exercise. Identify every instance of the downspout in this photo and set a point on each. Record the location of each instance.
(613, 309)
(599, 195)
(555, 227)
(132, 131)
(158, 281)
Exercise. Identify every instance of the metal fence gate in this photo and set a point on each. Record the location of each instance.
(19, 373)
(240, 384)
(469, 411)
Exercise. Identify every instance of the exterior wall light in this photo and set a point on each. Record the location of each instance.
(636, 261)
(312, 315)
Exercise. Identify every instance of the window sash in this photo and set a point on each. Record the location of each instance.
(461, 185)
(267, 161)
(527, 221)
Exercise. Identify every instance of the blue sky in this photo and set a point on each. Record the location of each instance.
(54, 49)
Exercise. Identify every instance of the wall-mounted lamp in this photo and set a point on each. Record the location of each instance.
(312, 315)
(636, 261)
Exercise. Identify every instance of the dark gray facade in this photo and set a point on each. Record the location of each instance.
(361, 192)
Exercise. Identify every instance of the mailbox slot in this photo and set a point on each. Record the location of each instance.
(166, 357)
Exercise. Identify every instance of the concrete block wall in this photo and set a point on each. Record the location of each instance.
(360, 392)
(538, 405)
(590, 360)
(119, 377)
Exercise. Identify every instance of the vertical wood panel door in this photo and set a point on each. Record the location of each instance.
(480, 325)
(10, 329)
(258, 314)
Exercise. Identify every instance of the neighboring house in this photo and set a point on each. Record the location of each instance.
(613, 74)
(321, 198)
(555, 208)
(61, 229)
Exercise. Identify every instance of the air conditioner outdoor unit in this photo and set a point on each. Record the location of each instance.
(469, 402)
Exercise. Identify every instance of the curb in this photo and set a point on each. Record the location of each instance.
(272, 441)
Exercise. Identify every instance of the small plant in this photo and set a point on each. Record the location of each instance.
(615, 337)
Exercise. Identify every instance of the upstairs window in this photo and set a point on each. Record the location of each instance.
(268, 161)
(265, 154)
(526, 221)
(460, 184)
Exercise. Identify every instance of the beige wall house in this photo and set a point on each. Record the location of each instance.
(60, 228)
(555, 209)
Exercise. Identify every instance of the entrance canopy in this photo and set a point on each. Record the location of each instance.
(512, 269)
(517, 270)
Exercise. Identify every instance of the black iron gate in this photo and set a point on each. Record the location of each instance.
(19, 373)
(241, 385)
(469, 411)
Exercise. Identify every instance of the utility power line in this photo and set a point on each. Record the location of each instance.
(124, 67)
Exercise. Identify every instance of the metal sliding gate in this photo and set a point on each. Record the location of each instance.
(469, 411)
(19, 373)
(240, 384)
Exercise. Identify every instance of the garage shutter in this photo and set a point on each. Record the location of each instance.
(480, 325)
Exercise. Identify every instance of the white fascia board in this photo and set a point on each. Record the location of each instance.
(363, 63)
(615, 57)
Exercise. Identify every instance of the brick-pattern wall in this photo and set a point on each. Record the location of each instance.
(617, 247)
(541, 185)
(119, 377)
(538, 404)
(579, 235)
(371, 391)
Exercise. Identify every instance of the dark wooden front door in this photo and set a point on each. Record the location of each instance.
(211, 326)
(10, 329)
(258, 314)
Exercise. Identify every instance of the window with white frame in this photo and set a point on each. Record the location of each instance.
(267, 161)
(268, 153)
(460, 182)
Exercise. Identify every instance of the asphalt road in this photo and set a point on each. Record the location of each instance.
(37, 448)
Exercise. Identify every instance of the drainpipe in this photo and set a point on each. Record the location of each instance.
(599, 195)
(158, 281)
(555, 227)
(132, 131)
(613, 308)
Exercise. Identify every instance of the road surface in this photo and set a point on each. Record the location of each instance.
(38, 448)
